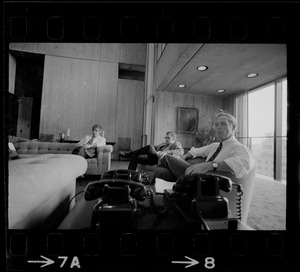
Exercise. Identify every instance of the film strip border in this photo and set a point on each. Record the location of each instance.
(181, 22)
(161, 250)
(36, 22)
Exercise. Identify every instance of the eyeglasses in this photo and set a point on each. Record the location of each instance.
(167, 137)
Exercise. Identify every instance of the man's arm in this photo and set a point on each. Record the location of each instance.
(175, 149)
(242, 162)
(207, 166)
(196, 152)
(200, 151)
(157, 147)
(100, 142)
(97, 143)
(186, 156)
(82, 142)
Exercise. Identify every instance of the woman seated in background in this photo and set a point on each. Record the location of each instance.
(87, 147)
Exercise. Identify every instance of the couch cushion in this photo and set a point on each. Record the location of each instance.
(32, 181)
(44, 148)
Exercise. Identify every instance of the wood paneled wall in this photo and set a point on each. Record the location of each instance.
(81, 87)
(166, 113)
(69, 99)
(114, 52)
(106, 109)
(129, 119)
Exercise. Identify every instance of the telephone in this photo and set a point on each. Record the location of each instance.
(116, 194)
(198, 195)
(125, 174)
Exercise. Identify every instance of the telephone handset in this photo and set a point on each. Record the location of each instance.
(124, 174)
(199, 195)
(209, 185)
(95, 190)
(117, 178)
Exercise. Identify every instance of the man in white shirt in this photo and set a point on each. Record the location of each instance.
(228, 155)
(87, 147)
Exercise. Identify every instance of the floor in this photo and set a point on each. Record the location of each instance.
(119, 165)
(268, 205)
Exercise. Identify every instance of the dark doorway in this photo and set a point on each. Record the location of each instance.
(28, 87)
(13, 110)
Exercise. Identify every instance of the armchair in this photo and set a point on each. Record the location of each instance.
(100, 164)
(247, 183)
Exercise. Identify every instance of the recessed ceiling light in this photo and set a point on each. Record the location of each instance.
(221, 91)
(202, 68)
(181, 86)
(251, 75)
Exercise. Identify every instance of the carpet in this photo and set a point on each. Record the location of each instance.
(268, 205)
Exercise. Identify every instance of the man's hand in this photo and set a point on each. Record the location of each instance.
(186, 156)
(88, 146)
(199, 168)
(161, 154)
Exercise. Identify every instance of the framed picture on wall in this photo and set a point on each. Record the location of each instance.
(187, 119)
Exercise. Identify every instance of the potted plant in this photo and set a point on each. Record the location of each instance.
(205, 134)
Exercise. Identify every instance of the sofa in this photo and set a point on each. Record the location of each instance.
(96, 166)
(41, 189)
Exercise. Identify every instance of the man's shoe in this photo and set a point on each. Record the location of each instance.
(125, 154)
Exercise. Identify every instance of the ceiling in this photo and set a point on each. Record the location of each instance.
(228, 65)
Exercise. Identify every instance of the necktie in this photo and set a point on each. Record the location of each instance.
(216, 153)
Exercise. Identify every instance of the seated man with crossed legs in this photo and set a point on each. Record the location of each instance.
(228, 155)
(151, 154)
(87, 147)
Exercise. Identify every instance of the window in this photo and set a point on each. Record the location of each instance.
(284, 129)
(261, 126)
(268, 128)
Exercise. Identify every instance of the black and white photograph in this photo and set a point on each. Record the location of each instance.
(95, 142)
(151, 135)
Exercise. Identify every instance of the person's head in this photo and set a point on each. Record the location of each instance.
(97, 130)
(224, 125)
(170, 137)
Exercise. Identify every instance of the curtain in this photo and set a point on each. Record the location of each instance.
(241, 113)
(237, 105)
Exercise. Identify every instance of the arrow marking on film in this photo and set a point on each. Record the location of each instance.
(191, 262)
(45, 263)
